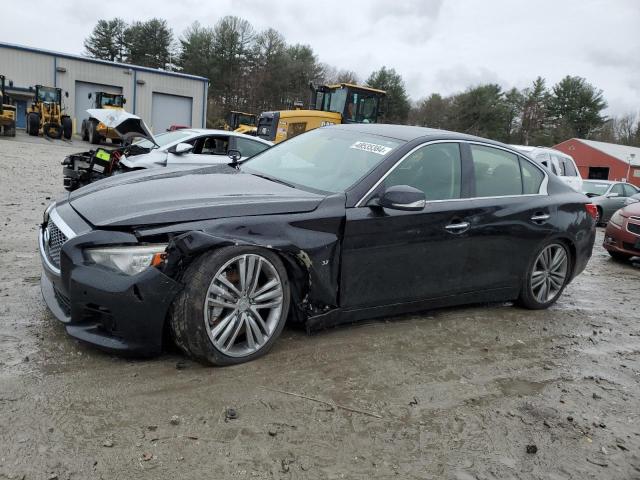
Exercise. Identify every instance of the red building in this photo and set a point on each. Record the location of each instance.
(604, 161)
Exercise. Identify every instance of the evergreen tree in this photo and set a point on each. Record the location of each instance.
(397, 101)
(106, 41)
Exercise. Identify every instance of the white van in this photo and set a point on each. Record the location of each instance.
(557, 162)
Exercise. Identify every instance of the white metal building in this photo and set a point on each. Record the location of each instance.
(159, 97)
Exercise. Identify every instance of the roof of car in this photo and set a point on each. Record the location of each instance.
(531, 149)
(409, 132)
(591, 180)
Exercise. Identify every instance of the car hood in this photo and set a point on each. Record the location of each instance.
(169, 195)
(632, 210)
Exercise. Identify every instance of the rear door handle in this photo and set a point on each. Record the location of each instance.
(540, 217)
(457, 227)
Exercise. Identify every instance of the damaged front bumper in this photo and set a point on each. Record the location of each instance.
(112, 310)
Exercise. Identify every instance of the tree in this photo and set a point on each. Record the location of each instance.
(514, 101)
(576, 107)
(196, 50)
(535, 114)
(397, 101)
(149, 43)
(482, 111)
(433, 112)
(106, 41)
(302, 69)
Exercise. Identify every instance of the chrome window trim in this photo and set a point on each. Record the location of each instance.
(64, 228)
(541, 191)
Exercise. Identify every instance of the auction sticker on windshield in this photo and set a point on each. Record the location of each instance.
(371, 147)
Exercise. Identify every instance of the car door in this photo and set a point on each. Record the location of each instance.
(511, 216)
(613, 201)
(394, 256)
(247, 146)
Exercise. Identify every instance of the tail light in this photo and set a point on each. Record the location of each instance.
(591, 210)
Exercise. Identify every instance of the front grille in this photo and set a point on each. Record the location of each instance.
(633, 228)
(54, 245)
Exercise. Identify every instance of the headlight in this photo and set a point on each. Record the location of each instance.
(129, 260)
(617, 219)
(45, 215)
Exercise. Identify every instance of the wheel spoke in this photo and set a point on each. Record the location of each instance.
(242, 270)
(275, 292)
(222, 324)
(258, 318)
(248, 332)
(221, 292)
(256, 276)
(537, 278)
(239, 325)
(255, 328)
(222, 278)
(226, 331)
(214, 302)
(266, 287)
(250, 265)
(558, 260)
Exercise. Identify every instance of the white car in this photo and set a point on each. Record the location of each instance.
(194, 147)
(557, 162)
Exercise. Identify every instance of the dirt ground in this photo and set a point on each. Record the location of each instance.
(461, 393)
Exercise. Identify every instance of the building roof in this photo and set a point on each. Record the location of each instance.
(104, 62)
(621, 152)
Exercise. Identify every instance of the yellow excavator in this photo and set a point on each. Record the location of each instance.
(7, 112)
(44, 115)
(241, 122)
(330, 105)
(94, 131)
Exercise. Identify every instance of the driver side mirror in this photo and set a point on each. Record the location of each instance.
(124, 101)
(90, 95)
(402, 197)
(234, 155)
(180, 148)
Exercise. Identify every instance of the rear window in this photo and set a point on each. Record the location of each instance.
(499, 173)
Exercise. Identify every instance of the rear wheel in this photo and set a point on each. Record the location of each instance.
(52, 130)
(10, 130)
(67, 127)
(233, 307)
(620, 256)
(599, 216)
(84, 130)
(546, 277)
(33, 124)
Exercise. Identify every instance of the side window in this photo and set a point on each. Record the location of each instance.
(249, 148)
(531, 177)
(434, 169)
(629, 190)
(559, 161)
(497, 173)
(215, 146)
(617, 188)
(569, 169)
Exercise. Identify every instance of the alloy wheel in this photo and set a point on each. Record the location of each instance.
(549, 273)
(243, 305)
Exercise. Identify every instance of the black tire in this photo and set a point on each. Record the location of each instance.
(94, 136)
(527, 298)
(620, 256)
(187, 317)
(10, 130)
(52, 130)
(599, 217)
(33, 124)
(84, 131)
(67, 127)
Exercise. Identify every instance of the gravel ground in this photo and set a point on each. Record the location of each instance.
(479, 392)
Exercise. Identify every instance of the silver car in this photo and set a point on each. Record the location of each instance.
(195, 147)
(608, 196)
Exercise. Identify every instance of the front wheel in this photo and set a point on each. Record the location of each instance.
(233, 307)
(546, 277)
(67, 127)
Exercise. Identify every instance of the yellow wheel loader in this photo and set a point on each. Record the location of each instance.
(44, 115)
(241, 122)
(7, 113)
(95, 131)
(330, 105)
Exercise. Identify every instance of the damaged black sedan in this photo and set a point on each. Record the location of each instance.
(339, 224)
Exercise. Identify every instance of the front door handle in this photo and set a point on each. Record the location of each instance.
(457, 227)
(540, 217)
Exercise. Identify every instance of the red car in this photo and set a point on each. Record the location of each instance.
(622, 236)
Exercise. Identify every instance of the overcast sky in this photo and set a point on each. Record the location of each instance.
(440, 46)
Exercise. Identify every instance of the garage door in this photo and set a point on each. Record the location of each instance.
(167, 110)
(82, 102)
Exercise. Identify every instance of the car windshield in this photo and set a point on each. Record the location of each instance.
(595, 188)
(163, 139)
(325, 159)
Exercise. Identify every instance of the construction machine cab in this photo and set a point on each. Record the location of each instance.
(356, 104)
(109, 100)
(48, 95)
(7, 112)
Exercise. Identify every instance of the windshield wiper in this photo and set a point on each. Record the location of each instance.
(273, 179)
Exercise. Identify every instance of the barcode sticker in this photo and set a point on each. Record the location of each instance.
(371, 147)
